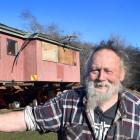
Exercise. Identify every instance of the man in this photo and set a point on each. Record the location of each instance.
(102, 111)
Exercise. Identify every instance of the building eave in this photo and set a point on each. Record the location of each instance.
(39, 36)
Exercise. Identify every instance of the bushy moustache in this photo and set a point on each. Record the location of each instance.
(101, 84)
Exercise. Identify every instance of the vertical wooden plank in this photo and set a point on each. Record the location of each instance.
(49, 52)
(66, 56)
(60, 72)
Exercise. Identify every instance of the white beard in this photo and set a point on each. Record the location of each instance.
(96, 98)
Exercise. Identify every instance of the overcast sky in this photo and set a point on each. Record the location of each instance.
(95, 20)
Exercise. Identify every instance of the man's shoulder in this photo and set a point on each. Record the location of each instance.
(74, 93)
(79, 91)
(132, 95)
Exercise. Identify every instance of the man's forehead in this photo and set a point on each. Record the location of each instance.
(103, 53)
(105, 58)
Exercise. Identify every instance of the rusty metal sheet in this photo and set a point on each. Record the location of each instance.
(0, 47)
(49, 52)
(60, 72)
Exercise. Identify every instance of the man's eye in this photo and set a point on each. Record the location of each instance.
(94, 71)
(109, 72)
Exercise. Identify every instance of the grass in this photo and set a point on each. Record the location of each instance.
(27, 136)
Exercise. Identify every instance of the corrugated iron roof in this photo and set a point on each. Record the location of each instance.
(24, 35)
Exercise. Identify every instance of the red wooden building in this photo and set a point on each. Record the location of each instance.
(42, 61)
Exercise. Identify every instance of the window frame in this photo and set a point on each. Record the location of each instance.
(10, 50)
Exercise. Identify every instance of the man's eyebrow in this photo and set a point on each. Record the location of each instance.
(93, 67)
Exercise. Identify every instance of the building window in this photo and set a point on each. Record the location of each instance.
(51, 52)
(11, 47)
(66, 56)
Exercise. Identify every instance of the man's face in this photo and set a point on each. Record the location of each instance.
(105, 70)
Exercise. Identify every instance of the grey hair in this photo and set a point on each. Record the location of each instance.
(118, 50)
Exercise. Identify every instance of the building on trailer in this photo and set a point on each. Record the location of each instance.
(29, 61)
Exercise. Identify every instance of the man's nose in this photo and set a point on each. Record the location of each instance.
(101, 75)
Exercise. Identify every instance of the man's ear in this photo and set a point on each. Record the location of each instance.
(122, 76)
